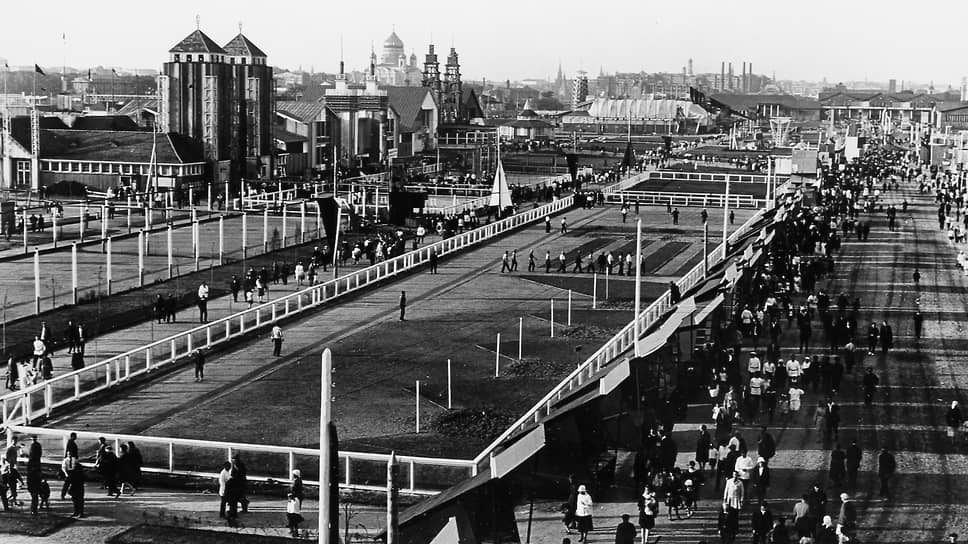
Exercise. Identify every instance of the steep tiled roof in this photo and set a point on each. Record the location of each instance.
(112, 146)
(241, 46)
(302, 110)
(407, 102)
(197, 42)
(105, 122)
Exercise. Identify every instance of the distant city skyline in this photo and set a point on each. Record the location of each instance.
(524, 40)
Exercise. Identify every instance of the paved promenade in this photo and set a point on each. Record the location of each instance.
(917, 383)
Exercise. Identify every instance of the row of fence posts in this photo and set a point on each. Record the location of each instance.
(144, 248)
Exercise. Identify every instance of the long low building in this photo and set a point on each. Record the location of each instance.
(643, 115)
(98, 159)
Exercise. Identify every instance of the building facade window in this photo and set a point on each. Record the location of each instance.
(188, 58)
(23, 172)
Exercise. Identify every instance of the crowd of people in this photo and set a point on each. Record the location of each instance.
(790, 344)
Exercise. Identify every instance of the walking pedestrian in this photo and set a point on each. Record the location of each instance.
(276, 337)
(954, 419)
(514, 261)
(887, 337)
(403, 305)
(199, 359)
(223, 480)
(505, 265)
(564, 225)
(76, 490)
(918, 320)
(838, 469)
(886, 466)
(675, 216)
(625, 532)
(531, 263)
(762, 524)
(547, 222)
(293, 515)
(547, 262)
(583, 513)
(870, 386)
(203, 302)
(433, 261)
(853, 458)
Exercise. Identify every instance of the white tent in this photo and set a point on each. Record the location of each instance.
(500, 192)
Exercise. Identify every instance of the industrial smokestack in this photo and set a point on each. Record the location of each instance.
(722, 76)
(730, 76)
(750, 76)
(690, 67)
(742, 83)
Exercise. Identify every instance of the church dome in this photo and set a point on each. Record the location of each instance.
(393, 41)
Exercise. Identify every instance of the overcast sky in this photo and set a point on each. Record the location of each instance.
(499, 39)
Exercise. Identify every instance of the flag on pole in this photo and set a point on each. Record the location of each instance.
(38, 70)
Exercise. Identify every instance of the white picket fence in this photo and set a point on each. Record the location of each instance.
(21, 407)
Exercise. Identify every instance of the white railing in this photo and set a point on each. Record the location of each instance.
(676, 175)
(627, 183)
(203, 458)
(615, 347)
(450, 190)
(269, 198)
(451, 209)
(712, 200)
(21, 407)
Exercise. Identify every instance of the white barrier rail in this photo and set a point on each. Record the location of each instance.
(20, 407)
(203, 458)
(713, 200)
(613, 348)
(677, 175)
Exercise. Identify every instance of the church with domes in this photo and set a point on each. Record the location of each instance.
(393, 67)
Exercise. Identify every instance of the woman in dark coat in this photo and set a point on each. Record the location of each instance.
(838, 467)
(76, 490)
(703, 443)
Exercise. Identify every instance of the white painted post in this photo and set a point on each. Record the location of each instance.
(552, 318)
(725, 218)
(221, 238)
(520, 337)
(245, 233)
(325, 463)
(417, 402)
(82, 223)
(497, 357)
(104, 224)
(191, 199)
(637, 328)
(108, 264)
(284, 219)
(606, 285)
(595, 290)
(25, 228)
(569, 307)
(74, 272)
(302, 221)
(54, 226)
(225, 196)
(141, 258)
(171, 264)
(265, 230)
(36, 280)
(209, 196)
(195, 243)
(129, 214)
(450, 387)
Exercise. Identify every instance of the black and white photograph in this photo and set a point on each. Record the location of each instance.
(483, 273)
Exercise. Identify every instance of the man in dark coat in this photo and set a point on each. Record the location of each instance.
(886, 465)
(854, 455)
(626, 532)
(765, 446)
(887, 337)
(761, 524)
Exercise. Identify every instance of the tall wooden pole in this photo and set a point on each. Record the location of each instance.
(325, 464)
(638, 286)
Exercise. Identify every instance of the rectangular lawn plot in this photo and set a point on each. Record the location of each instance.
(662, 255)
(588, 247)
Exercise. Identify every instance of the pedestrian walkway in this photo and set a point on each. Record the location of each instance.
(180, 509)
(917, 382)
(139, 408)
